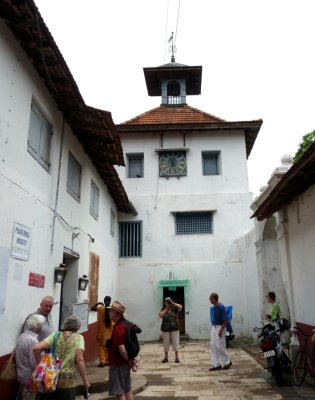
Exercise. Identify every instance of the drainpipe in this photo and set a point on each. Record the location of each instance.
(57, 190)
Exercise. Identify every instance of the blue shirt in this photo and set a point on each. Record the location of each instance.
(218, 314)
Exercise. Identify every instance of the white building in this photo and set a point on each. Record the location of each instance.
(60, 194)
(285, 215)
(186, 174)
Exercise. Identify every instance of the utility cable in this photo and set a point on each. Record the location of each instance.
(177, 21)
(166, 26)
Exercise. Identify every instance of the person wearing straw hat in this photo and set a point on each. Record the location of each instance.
(119, 363)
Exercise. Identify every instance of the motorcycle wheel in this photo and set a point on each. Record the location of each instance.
(277, 373)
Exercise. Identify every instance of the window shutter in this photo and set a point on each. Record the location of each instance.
(70, 177)
(96, 201)
(34, 132)
(45, 140)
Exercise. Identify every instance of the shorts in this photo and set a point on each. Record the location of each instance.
(119, 380)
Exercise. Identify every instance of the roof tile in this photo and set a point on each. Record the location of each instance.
(173, 115)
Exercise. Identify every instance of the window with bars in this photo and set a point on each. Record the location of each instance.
(74, 177)
(135, 165)
(39, 137)
(210, 162)
(130, 239)
(94, 200)
(193, 223)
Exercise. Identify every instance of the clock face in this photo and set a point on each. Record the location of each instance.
(173, 164)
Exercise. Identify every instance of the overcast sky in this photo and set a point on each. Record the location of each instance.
(257, 58)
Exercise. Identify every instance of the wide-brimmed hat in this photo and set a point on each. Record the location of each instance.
(117, 307)
(167, 299)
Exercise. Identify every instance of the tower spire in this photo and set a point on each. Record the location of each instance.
(172, 47)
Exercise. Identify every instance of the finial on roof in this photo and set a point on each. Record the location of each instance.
(172, 47)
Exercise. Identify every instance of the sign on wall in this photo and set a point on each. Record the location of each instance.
(81, 311)
(36, 280)
(21, 242)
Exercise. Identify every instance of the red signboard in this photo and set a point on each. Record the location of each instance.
(36, 280)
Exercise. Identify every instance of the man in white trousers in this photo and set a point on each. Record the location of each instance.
(219, 320)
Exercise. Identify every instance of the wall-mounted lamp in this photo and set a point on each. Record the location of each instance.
(83, 282)
(60, 273)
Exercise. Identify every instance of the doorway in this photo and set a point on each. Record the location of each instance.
(177, 294)
(69, 288)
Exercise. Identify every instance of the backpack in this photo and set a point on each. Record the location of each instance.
(132, 344)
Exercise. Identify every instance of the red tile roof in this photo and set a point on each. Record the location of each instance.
(173, 115)
(185, 118)
(94, 128)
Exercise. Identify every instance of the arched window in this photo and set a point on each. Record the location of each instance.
(173, 88)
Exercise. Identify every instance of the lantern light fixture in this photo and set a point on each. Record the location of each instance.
(60, 273)
(83, 282)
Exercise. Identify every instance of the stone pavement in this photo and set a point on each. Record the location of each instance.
(191, 378)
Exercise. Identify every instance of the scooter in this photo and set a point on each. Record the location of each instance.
(277, 361)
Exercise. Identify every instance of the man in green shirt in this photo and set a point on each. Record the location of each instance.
(275, 309)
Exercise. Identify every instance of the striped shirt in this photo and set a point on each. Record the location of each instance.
(25, 360)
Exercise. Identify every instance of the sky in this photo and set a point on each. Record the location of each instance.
(257, 59)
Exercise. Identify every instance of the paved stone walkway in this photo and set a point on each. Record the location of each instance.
(191, 378)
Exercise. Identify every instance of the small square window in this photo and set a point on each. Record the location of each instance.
(39, 137)
(94, 200)
(135, 165)
(74, 177)
(193, 223)
(210, 162)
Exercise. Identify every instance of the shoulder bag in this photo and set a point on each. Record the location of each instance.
(45, 376)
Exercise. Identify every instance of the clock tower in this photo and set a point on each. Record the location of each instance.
(173, 82)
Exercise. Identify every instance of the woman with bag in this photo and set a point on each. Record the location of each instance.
(169, 327)
(24, 357)
(69, 348)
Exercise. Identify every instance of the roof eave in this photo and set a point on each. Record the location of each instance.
(298, 179)
(251, 129)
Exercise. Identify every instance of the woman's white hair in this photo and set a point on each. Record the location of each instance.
(35, 322)
(72, 323)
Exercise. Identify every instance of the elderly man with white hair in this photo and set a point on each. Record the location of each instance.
(25, 360)
(44, 309)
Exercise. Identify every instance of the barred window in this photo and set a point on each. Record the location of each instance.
(193, 223)
(130, 239)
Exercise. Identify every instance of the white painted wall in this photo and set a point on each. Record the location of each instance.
(28, 194)
(301, 249)
(213, 262)
(285, 254)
